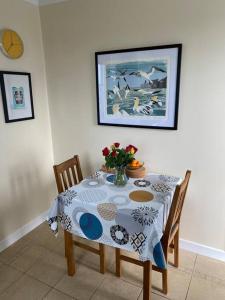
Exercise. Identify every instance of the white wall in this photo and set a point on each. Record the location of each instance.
(26, 159)
(74, 30)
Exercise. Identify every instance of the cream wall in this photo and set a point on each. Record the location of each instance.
(75, 29)
(26, 148)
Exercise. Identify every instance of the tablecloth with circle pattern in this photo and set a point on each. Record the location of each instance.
(132, 217)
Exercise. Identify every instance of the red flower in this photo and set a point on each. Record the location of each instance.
(105, 151)
(117, 145)
(114, 154)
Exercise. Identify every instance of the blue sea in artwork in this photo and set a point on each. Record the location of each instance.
(137, 88)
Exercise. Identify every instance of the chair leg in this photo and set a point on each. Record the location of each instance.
(65, 242)
(171, 247)
(165, 281)
(147, 271)
(102, 258)
(118, 265)
(69, 253)
(176, 249)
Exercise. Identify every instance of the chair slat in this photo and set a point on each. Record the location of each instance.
(64, 181)
(69, 177)
(78, 168)
(58, 180)
(74, 175)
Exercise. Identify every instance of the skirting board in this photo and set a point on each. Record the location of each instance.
(202, 249)
(184, 244)
(19, 233)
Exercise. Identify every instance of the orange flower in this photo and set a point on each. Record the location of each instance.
(132, 149)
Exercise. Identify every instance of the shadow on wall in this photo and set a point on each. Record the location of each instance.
(29, 192)
(86, 164)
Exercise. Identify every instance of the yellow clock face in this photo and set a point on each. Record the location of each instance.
(12, 45)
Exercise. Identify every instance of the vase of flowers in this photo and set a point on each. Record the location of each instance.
(118, 158)
(120, 176)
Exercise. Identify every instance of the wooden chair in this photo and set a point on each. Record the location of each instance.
(67, 174)
(170, 240)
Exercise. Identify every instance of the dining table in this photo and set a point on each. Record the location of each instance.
(130, 217)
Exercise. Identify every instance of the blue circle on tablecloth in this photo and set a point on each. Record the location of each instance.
(110, 178)
(159, 256)
(91, 226)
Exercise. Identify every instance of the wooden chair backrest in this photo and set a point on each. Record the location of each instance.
(176, 208)
(68, 173)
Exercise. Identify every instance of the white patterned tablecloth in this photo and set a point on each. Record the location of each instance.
(130, 217)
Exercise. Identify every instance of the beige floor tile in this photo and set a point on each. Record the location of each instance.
(56, 295)
(27, 257)
(201, 289)
(55, 244)
(11, 252)
(81, 254)
(26, 288)
(79, 251)
(115, 288)
(154, 297)
(44, 237)
(54, 259)
(41, 230)
(134, 274)
(82, 285)
(60, 233)
(49, 268)
(210, 267)
(92, 260)
(187, 260)
(129, 272)
(42, 256)
(8, 275)
(178, 283)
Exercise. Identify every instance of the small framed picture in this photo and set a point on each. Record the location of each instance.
(139, 87)
(16, 96)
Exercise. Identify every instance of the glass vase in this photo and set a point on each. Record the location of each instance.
(120, 176)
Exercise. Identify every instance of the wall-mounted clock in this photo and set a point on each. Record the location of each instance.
(11, 43)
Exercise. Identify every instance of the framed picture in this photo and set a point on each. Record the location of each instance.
(139, 87)
(16, 96)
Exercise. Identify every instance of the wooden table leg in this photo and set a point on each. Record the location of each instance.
(176, 249)
(118, 265)
(147, 272)
(69, 253)
(65, 242)
(102, 258)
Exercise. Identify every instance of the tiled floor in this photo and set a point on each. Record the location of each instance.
(35, 268)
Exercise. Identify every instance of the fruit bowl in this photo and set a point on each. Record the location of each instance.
(136, 165)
